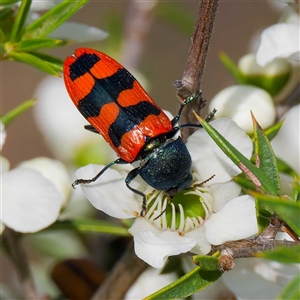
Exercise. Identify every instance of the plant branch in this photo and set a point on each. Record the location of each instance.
(137, 26)
(128, 269)
(250, 247)
(192, 75)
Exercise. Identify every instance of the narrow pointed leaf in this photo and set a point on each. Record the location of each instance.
(283, 167)
(287, 210)
(244, 182)
(231, 67)
(267, 159)
(8, 2)
(209, 263)
(256, 175)
(296, 190)
(263, 215)
(20, 20)
(5, 13)
(187, 285)
(52, 19)
(273, 130)
(283, 254)
(54, 62)
(30, 45)
(292, 290)
(90, 226)
(14, 113)
(34, 61)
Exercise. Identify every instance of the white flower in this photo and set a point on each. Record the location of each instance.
(149, 282)
(269, 278)
(80, 33)
(279, 40)
(38, 5)
(249, 66)
(184, 226)
(236, 102)
(61, 123)
(287, 142)
(54, 171)
(31, 201)
(2, 135)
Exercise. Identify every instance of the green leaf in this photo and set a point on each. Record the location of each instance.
(287, 210)
(2, 38)
(283, 167)
(296, 190)
(187, 285)
(52, 19)
(20, 20)
(33, 60)
(209, 263)
(29, 45)
(292, 290)
(272, 84)
(232, 68)
(10, 116)
(283, 254)
(5, 13)
(173, 264)
(90, 226)
(267, 160)
(263, 215)
(244, 182)
(8, 2)
(54, 62)
(272, 131)
(256, 175)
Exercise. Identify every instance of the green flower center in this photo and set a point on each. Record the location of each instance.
(185, 212)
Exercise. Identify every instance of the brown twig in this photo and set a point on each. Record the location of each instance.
(128, 269)
(192, 76)
(251, 247)
(137, 26)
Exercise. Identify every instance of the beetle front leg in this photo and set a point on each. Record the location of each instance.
(131, 175)
(87, 181)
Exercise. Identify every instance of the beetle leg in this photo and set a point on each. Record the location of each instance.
(131, 175)
(183, 104)
(87, 181)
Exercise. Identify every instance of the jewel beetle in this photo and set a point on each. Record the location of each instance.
(117, 107)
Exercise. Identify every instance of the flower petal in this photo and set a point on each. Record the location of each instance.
(237, 101)
(268, 278)
(109, 192)
(4, 163)
(235, 221)
(223, 193)
(54, 171)
(78, 32)
(30, 202)
(2, 135)
(202, 245)
(154, 246)
(279, 40)
(55, 111)
(209, 159)
(286, 144)
(149, 282)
